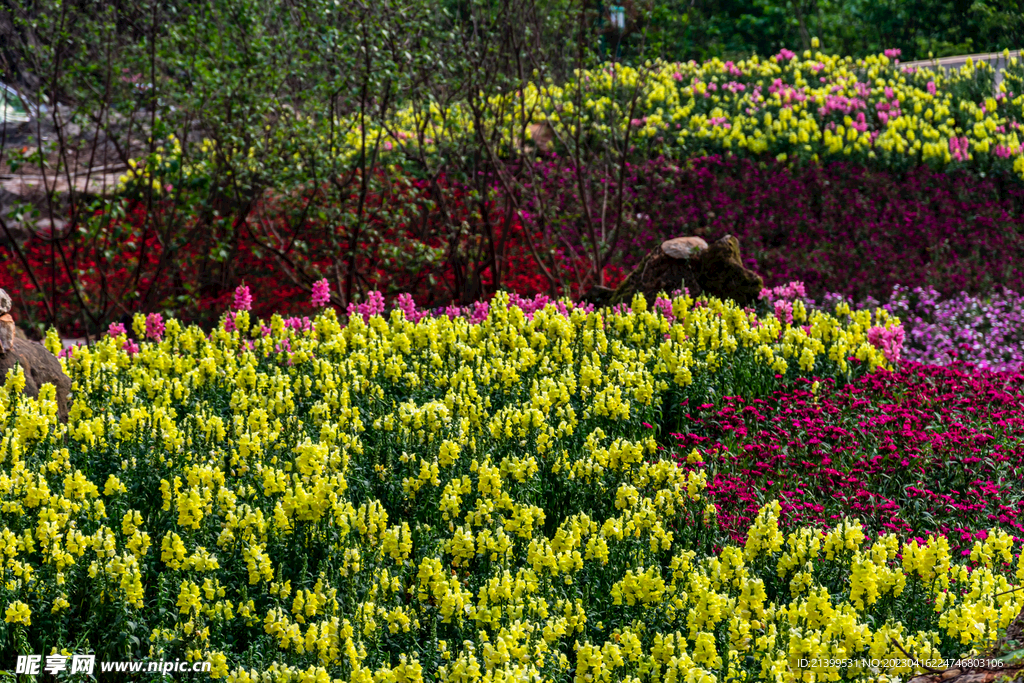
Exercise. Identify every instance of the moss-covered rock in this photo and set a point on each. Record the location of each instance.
(689, 262)
(723, 275)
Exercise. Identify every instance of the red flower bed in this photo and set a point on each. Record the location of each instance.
(135, 262)
(920, 450)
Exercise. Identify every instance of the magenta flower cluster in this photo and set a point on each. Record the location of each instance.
(923, 449)
(243, 299)
(321, 293)
(374, 305)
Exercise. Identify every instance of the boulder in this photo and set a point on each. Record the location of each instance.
(715, 271)
(40, 366)
(684, 247)
(724, 276)
(7, 330)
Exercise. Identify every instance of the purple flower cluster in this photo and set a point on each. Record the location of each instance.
(987, 331)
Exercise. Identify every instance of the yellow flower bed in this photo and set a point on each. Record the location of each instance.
(811, 107)
(395, 502)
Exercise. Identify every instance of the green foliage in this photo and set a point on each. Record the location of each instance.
(683, 30)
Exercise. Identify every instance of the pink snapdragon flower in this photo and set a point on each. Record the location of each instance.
(889, 340)
(117, 329)
(958, 148)
(784, 311)
(664, 306)
(154, 326)
(374, 305)
(788, 292)
(302, 324)
(69, 351)
(481, 309)
(243, 299)
(1005, 151)
(321, 293)
(408, 306)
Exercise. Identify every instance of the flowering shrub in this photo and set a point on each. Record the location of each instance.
(919, 450)
(398, 501)
(836, 227)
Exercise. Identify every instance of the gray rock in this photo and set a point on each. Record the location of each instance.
(5, 302)
(684, 247)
